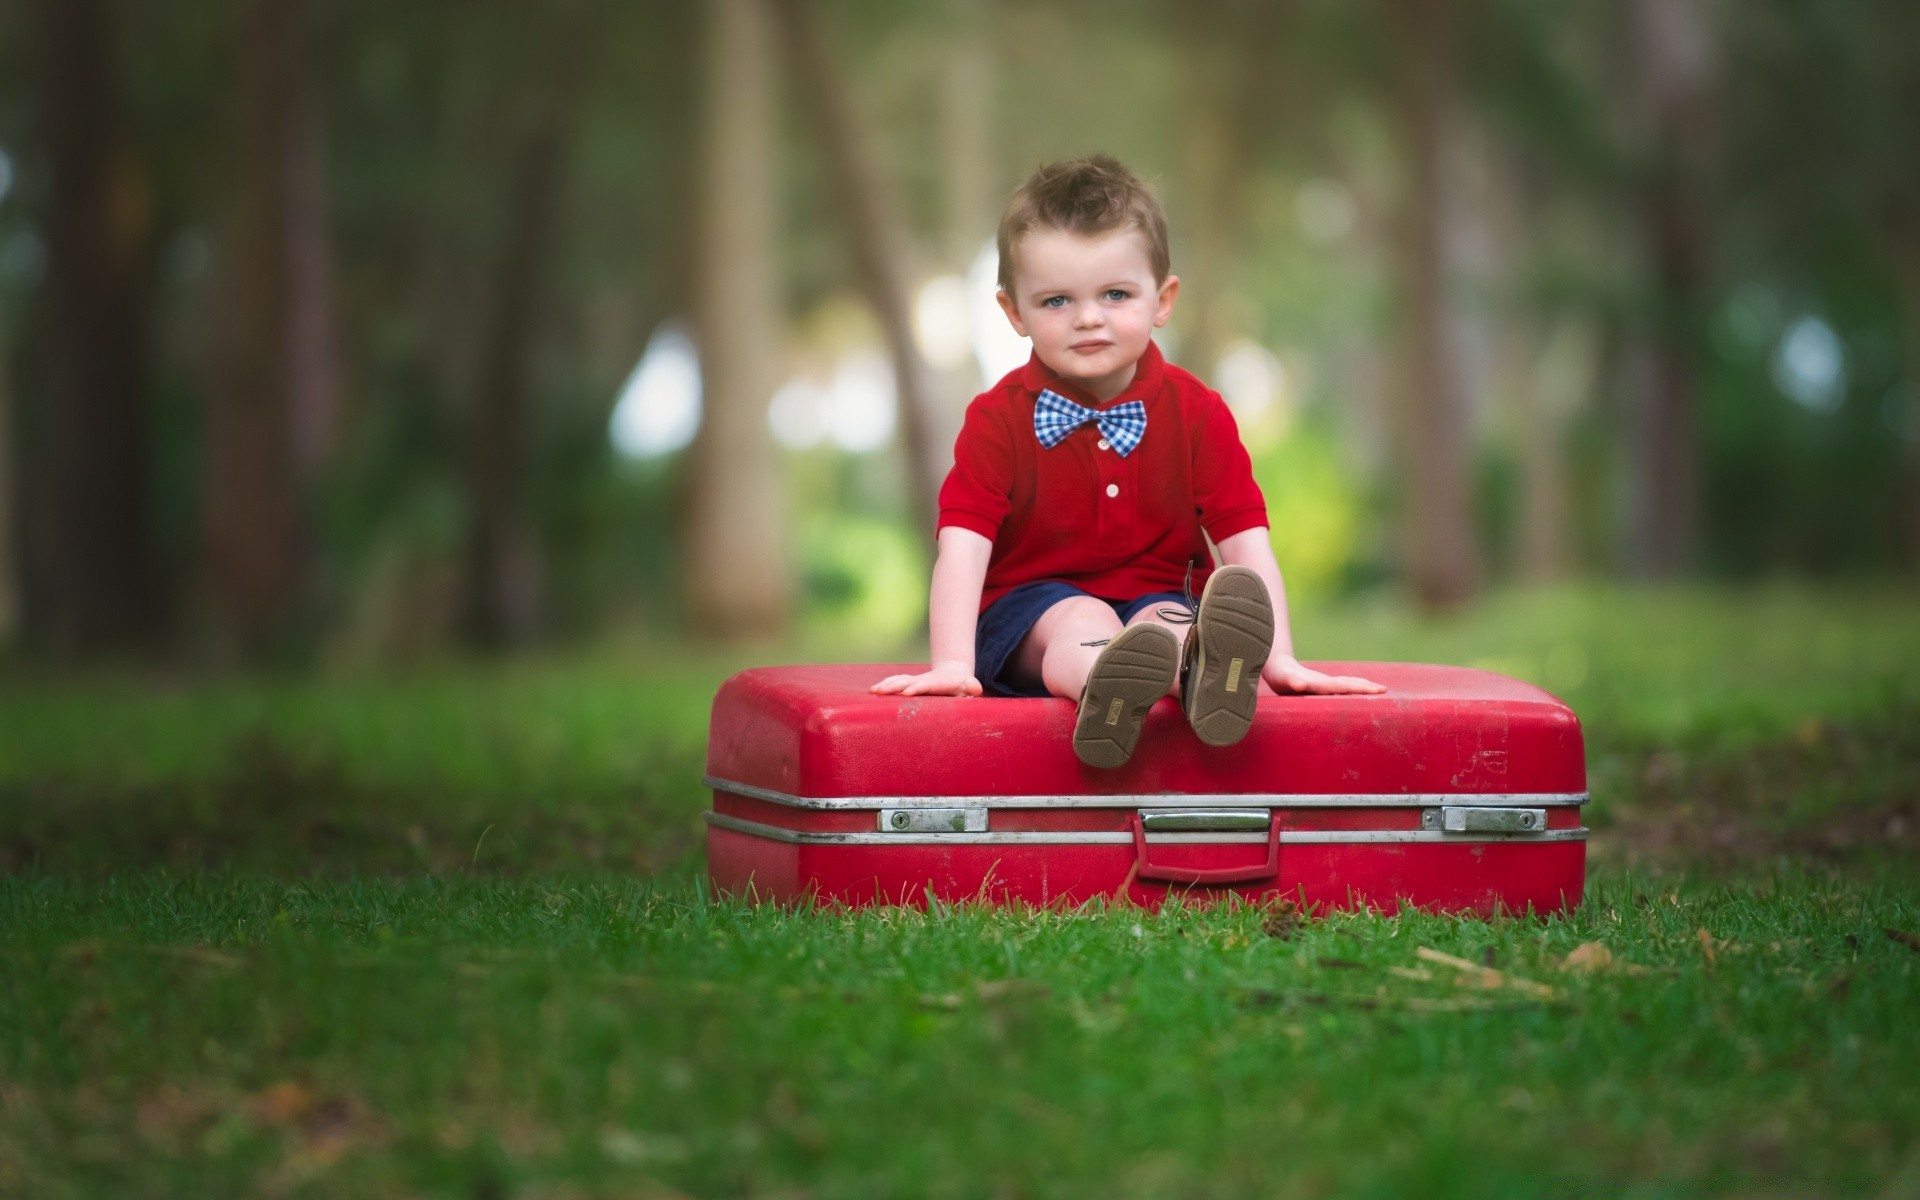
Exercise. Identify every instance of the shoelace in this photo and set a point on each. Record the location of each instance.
(1172, 616)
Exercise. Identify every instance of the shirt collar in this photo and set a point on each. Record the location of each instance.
(1148, 374)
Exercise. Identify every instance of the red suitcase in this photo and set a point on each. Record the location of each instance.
(1457, 790)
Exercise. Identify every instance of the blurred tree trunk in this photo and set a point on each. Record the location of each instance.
(269, 412)
(103, 579)
(1557, 382)
(1435, 436)
(1214, 179)
(1539, 370)
(1896, 208)
(966, 143)
(313, 336)
(738, 577)
(1671, 51)
(1910, 296)
(967, 185)
(502, 588)
(1233, 102)
(9, 510)
(876, 233)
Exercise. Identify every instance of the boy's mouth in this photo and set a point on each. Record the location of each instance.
(1090, 346)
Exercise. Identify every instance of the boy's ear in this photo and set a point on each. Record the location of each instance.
(1168, 292)
(1012, 310)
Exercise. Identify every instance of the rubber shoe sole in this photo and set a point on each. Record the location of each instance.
(1226, 650)
(1137, 668)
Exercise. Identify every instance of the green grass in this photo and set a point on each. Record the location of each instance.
(442, 934)
(214, 1034)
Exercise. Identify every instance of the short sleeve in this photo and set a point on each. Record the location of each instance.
(977, 492)
(1227, 498)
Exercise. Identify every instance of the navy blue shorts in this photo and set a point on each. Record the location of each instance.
(1008, 619)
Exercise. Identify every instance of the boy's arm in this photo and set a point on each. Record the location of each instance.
(953, 610)
(1283, 672)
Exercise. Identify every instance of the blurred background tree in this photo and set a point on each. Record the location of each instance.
(353, 330)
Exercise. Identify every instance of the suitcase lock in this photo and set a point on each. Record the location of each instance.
(1460, 818)
(1195, 821)
(933, 820)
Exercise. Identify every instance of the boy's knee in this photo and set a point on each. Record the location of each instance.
(1174, 616)
(1082, 614)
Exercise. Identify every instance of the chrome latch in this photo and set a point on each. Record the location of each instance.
(933, 820)
(1205, 820)
(1461, 818)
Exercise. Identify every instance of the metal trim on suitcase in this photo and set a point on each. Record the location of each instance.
(1064, 838)
(1098, 800)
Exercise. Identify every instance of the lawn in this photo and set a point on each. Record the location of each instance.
(442, 933)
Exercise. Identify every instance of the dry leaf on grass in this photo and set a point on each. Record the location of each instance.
(324, 1129)
(1593, 958)
(1282, 920)
(1901, 936)
(1706, 946)
(282, 1104)
(1487, 977)
(1588, 956)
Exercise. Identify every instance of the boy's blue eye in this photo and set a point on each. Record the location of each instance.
(1117, 294)
(1054, 301)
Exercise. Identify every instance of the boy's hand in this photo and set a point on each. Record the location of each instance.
(1285, 675)
(945, 679)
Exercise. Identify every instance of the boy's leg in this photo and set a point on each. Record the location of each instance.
(1116, 679)
(1054, 650)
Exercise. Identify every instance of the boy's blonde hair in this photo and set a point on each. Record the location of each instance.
(1087, 196)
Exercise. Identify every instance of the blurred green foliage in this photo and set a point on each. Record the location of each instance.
(1807, 191)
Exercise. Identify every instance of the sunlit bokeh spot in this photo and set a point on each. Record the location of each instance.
(1810, 365)
(659, 407)
(860, 406)
(942, 322)
(798, 415)
(1254, 384)
(1324, 209)
(996, 347)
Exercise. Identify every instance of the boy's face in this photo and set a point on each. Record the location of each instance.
(1089, 303)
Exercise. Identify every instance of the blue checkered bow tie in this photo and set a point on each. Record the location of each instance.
(1055, 416)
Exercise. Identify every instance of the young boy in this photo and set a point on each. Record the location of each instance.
(1085, 486)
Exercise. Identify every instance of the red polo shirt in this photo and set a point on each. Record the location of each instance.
(1115, 527)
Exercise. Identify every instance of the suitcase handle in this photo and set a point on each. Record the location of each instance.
(1144, 869)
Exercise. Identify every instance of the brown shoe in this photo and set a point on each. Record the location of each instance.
(1226, 650)
(1137, 668)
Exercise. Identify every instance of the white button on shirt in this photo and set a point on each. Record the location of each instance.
(1113, 489)
(1105, 444)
